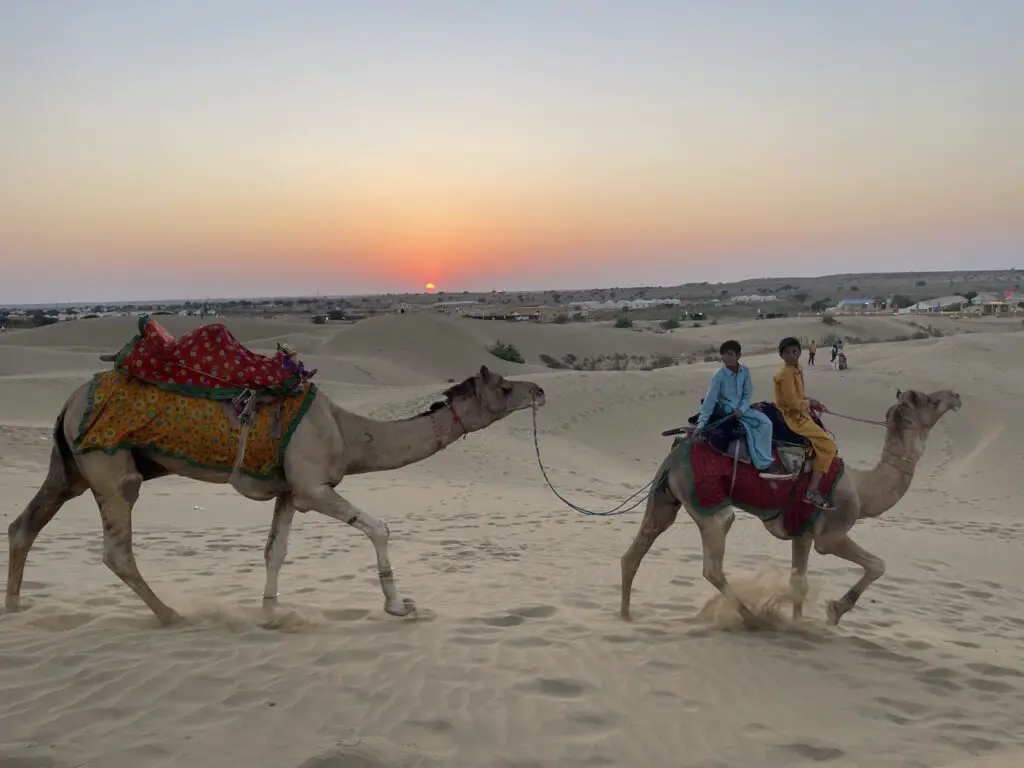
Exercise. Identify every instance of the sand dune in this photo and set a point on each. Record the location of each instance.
(519, 658)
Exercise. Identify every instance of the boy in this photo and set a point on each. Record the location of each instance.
(812, 348)
(794, 406)
(731, 390)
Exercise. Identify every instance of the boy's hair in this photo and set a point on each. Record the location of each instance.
(730, 346)
(788, 342)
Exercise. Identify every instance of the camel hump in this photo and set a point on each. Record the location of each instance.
(109, 357)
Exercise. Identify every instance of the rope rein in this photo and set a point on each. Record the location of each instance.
(636, 498)
(639, 497)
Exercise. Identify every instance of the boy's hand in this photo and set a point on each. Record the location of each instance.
(737, 414)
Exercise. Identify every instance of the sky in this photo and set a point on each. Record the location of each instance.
(242, 147)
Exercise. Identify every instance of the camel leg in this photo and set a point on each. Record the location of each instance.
(56, 491)
(847, 549)
(277, 543)
(798, 576)
(661, 512)
(326, 501)
(115, 484)
(714, 530)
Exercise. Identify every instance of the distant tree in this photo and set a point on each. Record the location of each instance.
(899, 301)
(822, 305)
(670, 323)
(623, 322)
(800, 298)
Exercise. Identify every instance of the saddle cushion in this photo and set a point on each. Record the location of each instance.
(711, 478)
(207, 362)
(125, 412)
(721, 436)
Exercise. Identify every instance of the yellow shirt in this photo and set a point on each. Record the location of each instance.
(789, 392)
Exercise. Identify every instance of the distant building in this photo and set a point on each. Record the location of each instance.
(941, 304)
(860, 304)
(754, 298)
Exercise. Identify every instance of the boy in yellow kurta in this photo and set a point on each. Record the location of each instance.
(795, 407)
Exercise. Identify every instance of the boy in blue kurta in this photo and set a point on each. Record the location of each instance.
(731, 390)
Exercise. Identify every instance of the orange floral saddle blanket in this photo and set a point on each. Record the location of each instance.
(125, 412)
(208, 362)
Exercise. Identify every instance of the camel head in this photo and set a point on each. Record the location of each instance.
(488, 397)
(920, 411)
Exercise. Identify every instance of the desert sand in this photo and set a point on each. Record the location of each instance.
(518, 658)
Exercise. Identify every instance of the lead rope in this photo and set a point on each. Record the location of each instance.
(621, 509)
(637, 498)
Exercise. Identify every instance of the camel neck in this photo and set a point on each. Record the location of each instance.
(376, 446)
(880, 488)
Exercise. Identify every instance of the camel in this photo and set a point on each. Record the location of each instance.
(328, 444)
(857, 495)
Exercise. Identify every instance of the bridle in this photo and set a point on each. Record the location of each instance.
(441, 445)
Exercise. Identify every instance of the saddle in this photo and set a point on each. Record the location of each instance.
(729, 439)
(209, 362)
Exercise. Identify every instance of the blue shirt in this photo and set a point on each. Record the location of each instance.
(731, 391)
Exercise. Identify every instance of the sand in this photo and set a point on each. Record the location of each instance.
(518, 658)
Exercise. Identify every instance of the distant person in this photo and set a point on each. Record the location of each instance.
(731, 391)
(795, 407)
(812, 348)
(835, 355)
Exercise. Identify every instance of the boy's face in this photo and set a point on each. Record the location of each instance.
(730, 359)
(791, 355)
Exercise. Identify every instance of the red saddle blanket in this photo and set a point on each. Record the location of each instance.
(207, 362)
(766, 499)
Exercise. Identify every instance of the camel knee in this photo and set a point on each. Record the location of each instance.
(18, 535)
(875, 568)
(376, 529)
(129, 486)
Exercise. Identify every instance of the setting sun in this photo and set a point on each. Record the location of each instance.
(430, 287)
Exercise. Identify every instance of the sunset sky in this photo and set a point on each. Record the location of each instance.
(242, 147)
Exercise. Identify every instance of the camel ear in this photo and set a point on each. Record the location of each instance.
(899, 393)
(484, 373)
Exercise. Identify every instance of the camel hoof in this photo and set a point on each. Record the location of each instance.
(406, 608)
(13, 605)
(834, 611)
(172, 619)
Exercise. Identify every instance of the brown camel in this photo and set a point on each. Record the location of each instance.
(858, 494)
(328, 444)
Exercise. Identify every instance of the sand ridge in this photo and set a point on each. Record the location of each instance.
(518, 658)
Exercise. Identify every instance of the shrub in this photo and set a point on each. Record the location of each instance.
(320, 319)
(623, 322)
(660, 361)
(670, 323)
(561, 319)
(552, 362)
(829, 320)
(506, 352)
(695, 325)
